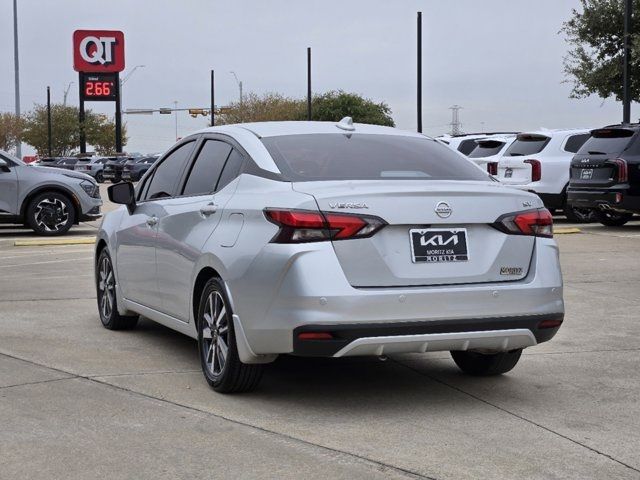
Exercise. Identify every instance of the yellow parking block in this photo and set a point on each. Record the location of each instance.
(561, 231)
(41, 242)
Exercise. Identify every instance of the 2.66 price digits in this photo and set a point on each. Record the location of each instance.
(98, 89)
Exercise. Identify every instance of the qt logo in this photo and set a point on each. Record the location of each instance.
(98, 51)
(101, 48)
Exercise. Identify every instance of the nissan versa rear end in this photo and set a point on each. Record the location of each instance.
(328, 239)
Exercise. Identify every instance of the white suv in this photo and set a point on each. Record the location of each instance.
(466, 143)
(539, 162)
(489, 149)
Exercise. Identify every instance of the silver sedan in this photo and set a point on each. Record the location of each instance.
(328, 239)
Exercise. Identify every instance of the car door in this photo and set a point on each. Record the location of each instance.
(189, 220)
(8, 188)
(137, 235)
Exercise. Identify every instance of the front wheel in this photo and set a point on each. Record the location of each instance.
(612, 218)
(219, 359)
(51, 214)
(485, 364)
(99, 177)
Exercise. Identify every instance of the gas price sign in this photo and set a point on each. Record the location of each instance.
(98, 86)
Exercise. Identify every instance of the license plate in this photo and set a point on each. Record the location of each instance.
(586, 174)
(435, 245)
(508, 173)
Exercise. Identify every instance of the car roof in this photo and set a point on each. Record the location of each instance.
(274, 129)
(552, 132)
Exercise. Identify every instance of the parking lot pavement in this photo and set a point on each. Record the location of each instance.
(78, 401)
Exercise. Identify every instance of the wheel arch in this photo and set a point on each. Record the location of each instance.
(204, 275)
(51, 188)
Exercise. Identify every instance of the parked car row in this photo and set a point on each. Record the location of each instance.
(113, 169)
(541, 162)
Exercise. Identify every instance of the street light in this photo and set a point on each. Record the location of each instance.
(66, 92)
(130, 73)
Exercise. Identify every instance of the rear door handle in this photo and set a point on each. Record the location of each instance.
(209, 209)
(151, 221)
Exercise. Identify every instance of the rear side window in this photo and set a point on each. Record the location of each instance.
(486, 148)
(574, 142)
(607, 141)
(467, 146)
(527, 145)
(207, 167)
(336, 156)
(168, 172)
(231, 169)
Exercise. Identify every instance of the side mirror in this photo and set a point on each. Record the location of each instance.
(123, 194)
(3, 164)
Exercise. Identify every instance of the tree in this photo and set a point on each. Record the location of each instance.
(65, 130)
(330, 106)
(10, 130)
(269, 107)
(334, 105)
(595, 61)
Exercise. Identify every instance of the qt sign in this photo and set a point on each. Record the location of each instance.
(98, 51)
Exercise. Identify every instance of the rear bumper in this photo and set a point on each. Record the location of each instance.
(311, 293)
(616, 199)
(502, 334)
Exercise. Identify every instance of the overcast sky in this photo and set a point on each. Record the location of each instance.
(500, 59)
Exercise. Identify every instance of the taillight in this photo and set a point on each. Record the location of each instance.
(623, 169)
(536, 169)
(298, 226)
(492, 168)
(537, 223)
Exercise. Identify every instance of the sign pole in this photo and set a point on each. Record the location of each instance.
(213, 99)
(83, 139)
(419, 79)
(626, 73)
(49, 120)
(309, 83)
(118, 115)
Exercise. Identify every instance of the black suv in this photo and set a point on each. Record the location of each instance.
(605, 174)
(135, 168)
(113, 169)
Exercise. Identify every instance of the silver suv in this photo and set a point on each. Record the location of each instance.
(48, 200)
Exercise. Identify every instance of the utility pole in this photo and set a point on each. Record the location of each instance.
(456, 126)
(213, 99)
(49, 120)
(626, 71)
(309, 83)
(118, 113)
(16, 64)
(419, 79)
(239, 82)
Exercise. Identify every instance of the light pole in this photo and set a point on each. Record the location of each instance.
(128, 75)
(626, 69)
(16, 64)
(239, 82)
(175, 113)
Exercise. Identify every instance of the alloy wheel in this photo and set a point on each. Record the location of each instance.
(215, 334)
(51, 214)
(106, 288)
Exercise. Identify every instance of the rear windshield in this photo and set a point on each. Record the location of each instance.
(607, 141)
(486, 148)
(467, 146)
(336, 156)
(527, 145)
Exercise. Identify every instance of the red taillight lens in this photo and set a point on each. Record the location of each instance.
(492, 168)
(315, 336)
(298, 226)
(536, 169)
(623, 170)
(538, 223)
(549, 323)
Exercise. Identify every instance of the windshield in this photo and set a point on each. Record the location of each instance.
(486, 148)
(8, 156)
(337, 156)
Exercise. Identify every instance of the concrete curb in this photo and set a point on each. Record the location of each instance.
(564, 231)
(55, 241)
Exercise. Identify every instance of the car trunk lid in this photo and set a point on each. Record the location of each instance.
(438, 232)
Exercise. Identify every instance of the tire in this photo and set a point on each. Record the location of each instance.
(610, 218)
(579, 215)
(224, 372)
(107, 302)
(99, 177)
(51, 214)
(486, 364)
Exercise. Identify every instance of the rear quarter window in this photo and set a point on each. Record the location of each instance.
(467, 146)
(574, 142)
(317, 157)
